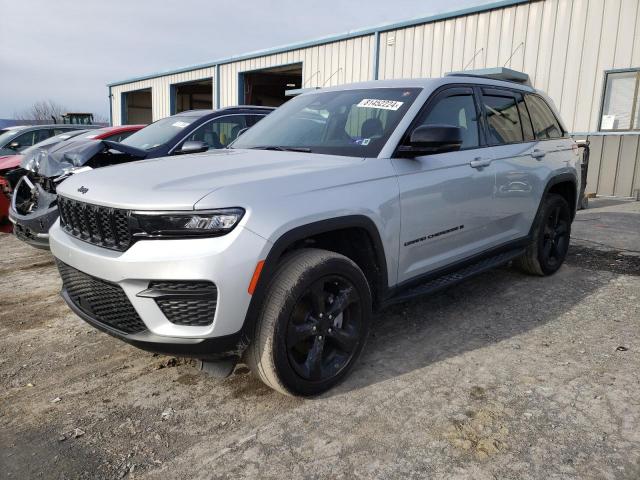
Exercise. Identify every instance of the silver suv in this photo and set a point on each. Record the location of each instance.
(277, 250)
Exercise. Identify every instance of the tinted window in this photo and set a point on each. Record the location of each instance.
(458, 111)
(527, 128)
(354, 123)
(119, 137)
(503, 121)
(544, 121)
(31, 138)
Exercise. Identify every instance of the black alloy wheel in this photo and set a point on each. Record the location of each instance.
(555, 241)
(324, 329)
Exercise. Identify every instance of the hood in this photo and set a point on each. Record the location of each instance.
(65, 156)
(179, 182)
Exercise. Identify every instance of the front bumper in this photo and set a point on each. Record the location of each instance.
(228, 262)
(33, 229)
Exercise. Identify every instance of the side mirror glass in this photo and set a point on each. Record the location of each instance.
(193, 146)
(430, 139)
(14, 145)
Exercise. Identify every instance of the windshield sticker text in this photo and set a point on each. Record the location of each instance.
(382, 104)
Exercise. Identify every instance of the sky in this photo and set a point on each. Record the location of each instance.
(68, 50)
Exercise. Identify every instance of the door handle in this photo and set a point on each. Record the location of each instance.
(480, 162)
(538, 154)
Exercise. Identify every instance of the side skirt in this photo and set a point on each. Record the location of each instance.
(456, 273)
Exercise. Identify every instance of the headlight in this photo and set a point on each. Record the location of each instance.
(208, 223)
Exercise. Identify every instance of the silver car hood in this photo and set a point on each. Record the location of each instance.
(180, 182)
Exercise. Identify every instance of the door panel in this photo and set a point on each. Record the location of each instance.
(447, 212)
(446, 198)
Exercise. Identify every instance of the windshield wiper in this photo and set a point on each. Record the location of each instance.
(282, 149)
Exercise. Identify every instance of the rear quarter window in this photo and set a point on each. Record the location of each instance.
(545, 124)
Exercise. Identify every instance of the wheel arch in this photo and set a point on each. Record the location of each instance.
(564, 184)
(319, 232)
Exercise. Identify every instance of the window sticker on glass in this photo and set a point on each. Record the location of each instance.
(382, 104)
(365, 141)
(180, 124)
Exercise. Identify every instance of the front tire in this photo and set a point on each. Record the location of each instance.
(551, 234)
(313, 324)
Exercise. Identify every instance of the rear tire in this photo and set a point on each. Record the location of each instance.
(313, 324)
(551, 234)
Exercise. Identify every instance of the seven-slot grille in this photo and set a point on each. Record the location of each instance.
(102, 226)
(103, 301)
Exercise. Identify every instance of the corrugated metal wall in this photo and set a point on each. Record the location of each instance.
(160, 91)
(614, 165)
(564, 45)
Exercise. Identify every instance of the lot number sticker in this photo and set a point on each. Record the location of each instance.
(383, 104)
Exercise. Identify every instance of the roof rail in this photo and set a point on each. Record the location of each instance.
(498, 73)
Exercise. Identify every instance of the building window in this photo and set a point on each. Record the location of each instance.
(621, 103)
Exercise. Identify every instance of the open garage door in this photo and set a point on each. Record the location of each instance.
(136, 107)
(266, 87)
(192, 95)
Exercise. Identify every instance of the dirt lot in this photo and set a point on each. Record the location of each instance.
(503, 377)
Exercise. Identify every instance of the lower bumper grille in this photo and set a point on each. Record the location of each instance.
(103, 301)
(188, 303)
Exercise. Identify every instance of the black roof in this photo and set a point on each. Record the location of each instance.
(238, 108)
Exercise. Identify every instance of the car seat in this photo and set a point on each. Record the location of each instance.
(371, 128)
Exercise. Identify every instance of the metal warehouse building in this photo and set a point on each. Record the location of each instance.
(584, 53)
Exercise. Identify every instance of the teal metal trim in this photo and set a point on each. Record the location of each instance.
(241, 89)
(605, 133)
(172, 99)
(376, 55)
(123, 108)
(110, 108)
(217, 86)
(332, 38)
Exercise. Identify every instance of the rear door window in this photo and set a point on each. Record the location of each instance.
(503, 120)
(545, 124)
(525, 118)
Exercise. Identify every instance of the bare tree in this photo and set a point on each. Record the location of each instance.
(42, 110)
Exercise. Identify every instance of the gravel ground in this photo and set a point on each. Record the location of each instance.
(502, 377)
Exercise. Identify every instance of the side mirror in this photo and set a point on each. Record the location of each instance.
(430, 139)
(14, 145)
(193, 146)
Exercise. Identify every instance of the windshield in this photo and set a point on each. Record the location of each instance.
(355, 123)
(159, 133)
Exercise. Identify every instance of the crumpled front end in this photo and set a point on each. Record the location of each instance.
(34, 208)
